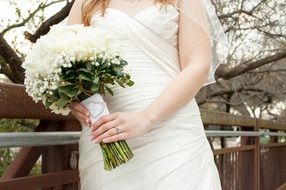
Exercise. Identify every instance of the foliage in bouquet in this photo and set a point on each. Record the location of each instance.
(73, 62)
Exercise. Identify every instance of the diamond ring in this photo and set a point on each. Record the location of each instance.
(117, 130)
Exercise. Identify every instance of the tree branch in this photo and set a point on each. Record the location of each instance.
(5, 69)
(41, 6)
(223, 72)
(230, 91)
(45, 27)
(14, 61)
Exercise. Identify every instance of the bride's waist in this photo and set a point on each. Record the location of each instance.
(137, 98)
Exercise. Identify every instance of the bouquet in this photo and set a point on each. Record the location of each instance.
(75, 62)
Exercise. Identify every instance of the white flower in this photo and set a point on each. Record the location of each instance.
(57, 110)
(62, 46)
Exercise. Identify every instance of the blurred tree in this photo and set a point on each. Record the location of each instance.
(250, 82)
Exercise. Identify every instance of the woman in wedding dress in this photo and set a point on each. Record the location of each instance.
(169, 54)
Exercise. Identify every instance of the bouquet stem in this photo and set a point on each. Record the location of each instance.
(114, 153)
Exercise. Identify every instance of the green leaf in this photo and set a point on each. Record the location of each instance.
(120, 83)
(130, 83)
(109, 90)
(48, 103)
(104, 65)
(118, 72)
(123, 63)
(85, 77)
(64, 89)
(72, 92)
(63, 101)
(69, 71)
(96, 80)
(94, 88)
(54, 97)
(89, 67)
(69, 91)
(95, 83)
(84, 70)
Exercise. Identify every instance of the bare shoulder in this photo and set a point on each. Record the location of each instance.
(75, 13)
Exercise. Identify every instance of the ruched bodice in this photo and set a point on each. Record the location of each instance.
(175, 153)
(164, 22)
(149, 78)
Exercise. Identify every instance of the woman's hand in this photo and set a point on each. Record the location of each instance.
(130, 125)
(80, 112)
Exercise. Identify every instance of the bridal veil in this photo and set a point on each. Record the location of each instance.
(203, 13)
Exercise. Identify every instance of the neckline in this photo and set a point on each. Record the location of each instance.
(140, 12)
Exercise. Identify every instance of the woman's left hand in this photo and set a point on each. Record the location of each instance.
(130, 125)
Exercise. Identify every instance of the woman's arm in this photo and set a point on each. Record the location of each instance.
(195, 60)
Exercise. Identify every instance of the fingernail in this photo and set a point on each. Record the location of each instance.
(95, 141)
(87, 114)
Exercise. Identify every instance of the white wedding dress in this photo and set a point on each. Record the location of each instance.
(174, 154)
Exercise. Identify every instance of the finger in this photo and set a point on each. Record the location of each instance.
(103, 128)
(108, 133)
(81, 117)
(103, 119)
(114, 138)
(74, 105)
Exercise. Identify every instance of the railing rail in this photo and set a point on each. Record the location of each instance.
(22, 139)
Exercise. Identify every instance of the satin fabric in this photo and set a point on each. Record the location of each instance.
(175, 154)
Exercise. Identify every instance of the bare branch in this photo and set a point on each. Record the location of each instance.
(13, 60)
(45, 27)
(40, 7)
(268, 71)
(226, 74)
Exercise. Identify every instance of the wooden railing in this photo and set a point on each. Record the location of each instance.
(251, 166)
(55, 167)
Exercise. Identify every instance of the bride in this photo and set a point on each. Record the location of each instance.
(170, 57)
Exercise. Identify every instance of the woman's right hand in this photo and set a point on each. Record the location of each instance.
(80, 112)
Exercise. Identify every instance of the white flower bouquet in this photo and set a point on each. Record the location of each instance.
(75, 62)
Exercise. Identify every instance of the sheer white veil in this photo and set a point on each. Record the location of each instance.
(204, 14)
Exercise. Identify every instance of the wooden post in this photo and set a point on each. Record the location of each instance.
(245, 182)
(57, 158)
(27, 157)
(257, 158)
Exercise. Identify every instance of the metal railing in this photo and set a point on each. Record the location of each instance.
(21, 139)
